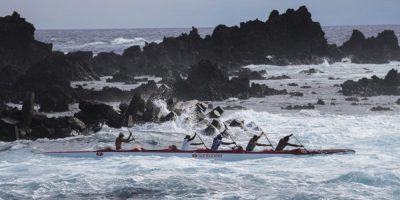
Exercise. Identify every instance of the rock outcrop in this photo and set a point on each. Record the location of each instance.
(374, 86)
(288, 38)
(18, 47)
(380, 49)
(206, 81)
(92, 112)
(380, 108)
(309, 106)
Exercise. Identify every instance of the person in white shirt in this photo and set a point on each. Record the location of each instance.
(186, 140)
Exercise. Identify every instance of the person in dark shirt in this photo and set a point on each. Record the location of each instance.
(218, 141)
(120, 139)
(284, 142)
(253, 142)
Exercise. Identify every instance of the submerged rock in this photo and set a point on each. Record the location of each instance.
(216, 112)
(296, 94)
(380, 108)
(311, 71)
(236, 123)
(251, 75)
(320, 102)
(351, 99)
(300, 107)
(279, 77)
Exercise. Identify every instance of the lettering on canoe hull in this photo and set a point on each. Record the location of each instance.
(206, 155)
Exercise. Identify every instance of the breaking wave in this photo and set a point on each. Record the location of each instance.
(374, 179)
(126, 41)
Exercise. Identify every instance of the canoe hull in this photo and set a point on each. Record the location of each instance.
(233, 155)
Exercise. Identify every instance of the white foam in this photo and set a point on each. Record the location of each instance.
(100, 84)
(126, 41)
(372, 172)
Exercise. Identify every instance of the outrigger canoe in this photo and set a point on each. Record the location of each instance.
(224, 155)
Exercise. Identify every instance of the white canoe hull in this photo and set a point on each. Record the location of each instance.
(197, 154)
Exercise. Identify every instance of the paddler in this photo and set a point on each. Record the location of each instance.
(283, 142)
(120, 139)
(186, 140)
(253, 143)
(218, 141)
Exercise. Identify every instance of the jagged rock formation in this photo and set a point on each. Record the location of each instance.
(288, 38)
(92, 112)
(206, 81)
(379, 49)
(108, 94)
(28, 65)
(374, 86)
(50, 79)
(18, 48)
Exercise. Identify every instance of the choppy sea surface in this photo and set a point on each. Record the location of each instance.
(372, 173)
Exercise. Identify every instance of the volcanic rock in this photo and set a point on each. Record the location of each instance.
(251, 75)
(92, 112)
(216, 112)
(380, 108)
(107, 63)
(169, 117)
(207, 81)
(18, 47)
(300, 107)
(374, 86)
(311, 71)
(236, 123)
(320, 102)
(351, 99)
(296, 94)
(279, 77)
(380, 49)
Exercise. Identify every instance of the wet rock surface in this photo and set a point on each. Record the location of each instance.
(389, 85)
(206, 81)
(380, 108)
(379, 49)
(309, 106)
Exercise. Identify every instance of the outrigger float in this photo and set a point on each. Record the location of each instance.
(224, 155)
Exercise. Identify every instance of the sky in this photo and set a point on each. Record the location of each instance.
(88, 14)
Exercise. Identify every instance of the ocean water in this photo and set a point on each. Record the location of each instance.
(106, 40)
(372, 173)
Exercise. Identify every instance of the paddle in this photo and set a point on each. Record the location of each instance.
(272, 146)
(133, 138)
(202, 141)
(263, 132)
(225, 131)
(300, 143)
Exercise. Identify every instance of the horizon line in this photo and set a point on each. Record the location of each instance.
(199, 27)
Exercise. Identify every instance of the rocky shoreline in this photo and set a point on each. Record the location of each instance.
(191, 67)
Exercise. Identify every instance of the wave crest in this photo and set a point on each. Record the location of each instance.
(126, 41)
(376, 180)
